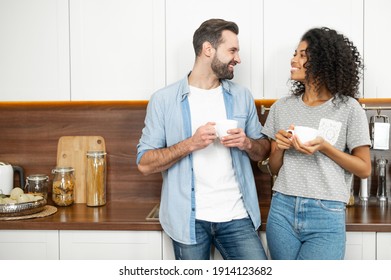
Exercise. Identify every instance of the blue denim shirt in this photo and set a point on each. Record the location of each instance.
(168, 122)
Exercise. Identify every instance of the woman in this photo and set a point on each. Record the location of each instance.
(307, 213)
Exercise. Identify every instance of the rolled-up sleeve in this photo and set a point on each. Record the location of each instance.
(153, 133)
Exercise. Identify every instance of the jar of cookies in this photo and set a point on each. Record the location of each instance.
(37, 184)
(63, 185)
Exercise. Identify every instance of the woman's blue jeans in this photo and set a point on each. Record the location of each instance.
(305, 229)
(235, 240)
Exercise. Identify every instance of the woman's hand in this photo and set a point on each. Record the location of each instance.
(309, 147)
(283, 139)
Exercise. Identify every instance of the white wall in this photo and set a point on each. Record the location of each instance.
(127, 49)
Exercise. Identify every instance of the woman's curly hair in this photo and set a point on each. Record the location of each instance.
(333, 62)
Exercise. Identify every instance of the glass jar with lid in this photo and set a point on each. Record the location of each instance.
(63, 186)
(37, 184)
(351, 191)
(96, 178)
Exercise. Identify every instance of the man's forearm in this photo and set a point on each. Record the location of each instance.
(158, 160)
(258, 149)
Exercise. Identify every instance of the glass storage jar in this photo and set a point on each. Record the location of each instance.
(351, 192)
(63, 185)
(37, 184)
(96, 178)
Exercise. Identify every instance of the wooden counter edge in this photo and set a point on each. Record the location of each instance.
(140, 103)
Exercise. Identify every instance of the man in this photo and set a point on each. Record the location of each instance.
(209, 194)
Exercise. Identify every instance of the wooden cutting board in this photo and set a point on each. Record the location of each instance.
(71, 152)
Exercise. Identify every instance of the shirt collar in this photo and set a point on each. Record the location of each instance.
(185, 90)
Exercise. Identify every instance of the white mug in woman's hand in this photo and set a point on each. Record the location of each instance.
(304, 133)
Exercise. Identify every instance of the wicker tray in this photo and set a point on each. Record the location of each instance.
(21, 209)
(47, 211)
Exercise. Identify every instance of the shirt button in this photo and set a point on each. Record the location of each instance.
(192, 209)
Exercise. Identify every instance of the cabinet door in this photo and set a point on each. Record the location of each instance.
(262, 234)
(383, 245)
(168, 249)
(34, 50)
(110, 245)
(377, 46)
(286, 21)
(118, 49)
(184, 17)
(29, 245)
(360, 246)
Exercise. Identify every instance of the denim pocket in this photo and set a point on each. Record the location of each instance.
(334, 206)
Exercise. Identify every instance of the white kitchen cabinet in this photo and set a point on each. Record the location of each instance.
(377, 44)
(264, 243)
(144, 245)
(168, 249)
(360, 246)
(125, 50)
(117, 49)
(383, 245)
(34, 50)
(184, 17)
(110, 245)
(286, 21)
(29, 245)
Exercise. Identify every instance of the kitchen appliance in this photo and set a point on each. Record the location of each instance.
(382, 183)
(7, 172)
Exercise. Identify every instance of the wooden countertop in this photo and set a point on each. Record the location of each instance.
(118, 215)
(126, 215)
(370, 217)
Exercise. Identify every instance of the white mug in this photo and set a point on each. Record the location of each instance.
(304, 133)
(223, 126)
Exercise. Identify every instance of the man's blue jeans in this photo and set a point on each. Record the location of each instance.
(235, 240)
(305, 229)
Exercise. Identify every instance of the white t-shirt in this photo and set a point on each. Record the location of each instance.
(218, 198)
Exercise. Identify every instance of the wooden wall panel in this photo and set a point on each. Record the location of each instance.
(29, 133)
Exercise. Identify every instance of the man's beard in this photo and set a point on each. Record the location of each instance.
(221, 69)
